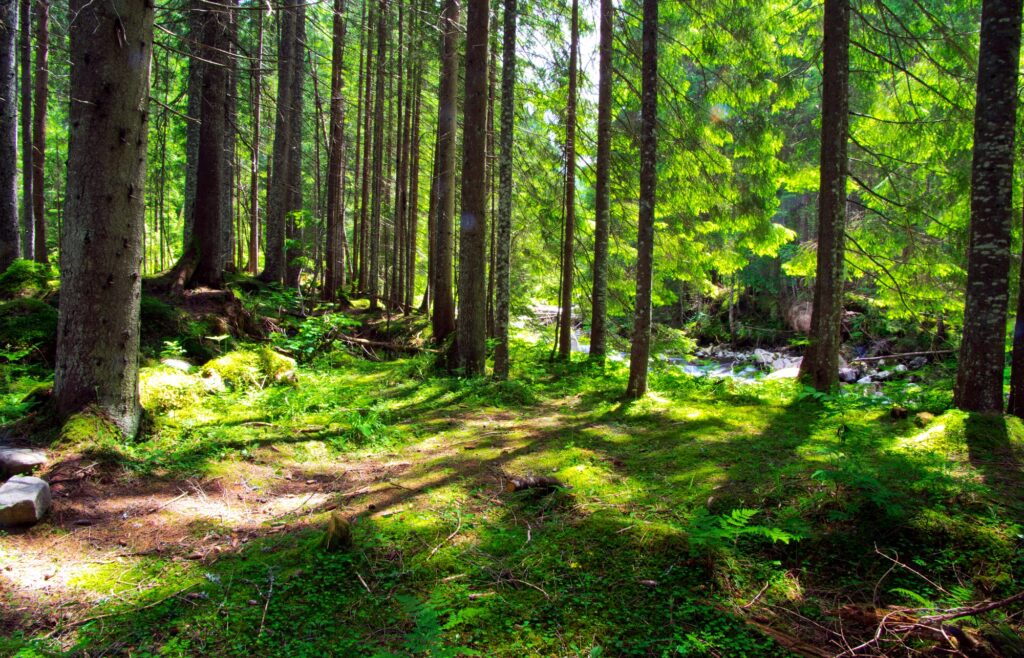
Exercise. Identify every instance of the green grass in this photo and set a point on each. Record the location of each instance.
(681, 508)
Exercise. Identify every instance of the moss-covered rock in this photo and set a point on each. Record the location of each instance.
(27, 323)
(25, 279)
(252, 368)
(163, 389)
(90, 430)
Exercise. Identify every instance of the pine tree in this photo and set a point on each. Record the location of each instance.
(565, 328)
(443, 318)
(503, 230)
(602, 192)
(9, 248)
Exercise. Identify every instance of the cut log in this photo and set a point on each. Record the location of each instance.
(540, 482)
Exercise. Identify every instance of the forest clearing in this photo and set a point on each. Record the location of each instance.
(511, 328)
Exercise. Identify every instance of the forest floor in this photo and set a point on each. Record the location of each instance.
(712, 518)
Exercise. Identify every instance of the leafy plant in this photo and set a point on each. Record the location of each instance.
(711, 531)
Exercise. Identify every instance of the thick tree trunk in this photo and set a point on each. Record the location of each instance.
(443, 318)
(602, 188)
(277, 192)
(335, 182)
(98, 336)
(820, 364)
(364, 203)
(414, 197)
(376, 204)
(640, 350)
(24, 19)
(428, 290)
(569, 236)
(194, 109)
(254, 163)
(39, 129)
(293, 182)
(503, 230)
(979, 379)
(9, 248)
(230, 109)
(472, 323)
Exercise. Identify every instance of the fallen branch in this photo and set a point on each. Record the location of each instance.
(523, 482)
(902, 356)
(394, 347)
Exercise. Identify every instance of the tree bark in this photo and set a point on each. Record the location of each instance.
(472, 323)
(293, 182)
(335, 182)
(39, 129)
(443, 318)
(98, 335)
(602, 189)
(414, 196)
(24, 19)
(230, 109)
(979, 378)
(640, 350)
(569, 236)
(364, 204)
(820, 365)
(9, 248)
(193, 109)
(373, 272)
(503, 230)
(254, 163)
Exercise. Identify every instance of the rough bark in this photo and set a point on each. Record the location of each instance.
(9, 247)
(569, 236)
(335, 271)
(471, 338)
(503, 229)
(293, 182)
(277, 190)
(254, 162)
(443, 317)
(24, 18)
(230, 110)
(42, 67)
(364, 204)
(640, 350)
(602, 190)
(101, 246)
(820, 365)
(376, 203)
(979, 380)
(193, 110)
(414, 197)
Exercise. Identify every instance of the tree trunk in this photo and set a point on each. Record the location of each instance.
(414, 196)
(373, 272)
(503, 230)
(602, 189)
(820, 364)
(335, 182)
(979, 378)
(569, 237)
(98, 338)
(640, 350)
(428, 290)
(194, 109)
(293, 182)
(364, 204)
(277, 192)
(230, 109)
(254, 164)
(9, 249)
(443, 318)
(39, 128)
(25, 52)
(472, 323)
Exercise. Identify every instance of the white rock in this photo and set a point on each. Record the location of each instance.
(178, 364)
(763, 357)
(901, 368)
(15, 461)
(785, 373)
(23, 501)
(866, 379)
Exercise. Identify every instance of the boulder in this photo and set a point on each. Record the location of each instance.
(785, 373)
(798, 316)
(763, 357)
(918, 362)
(847, 375)
(23, 501)
(178, 364)
(15, 461)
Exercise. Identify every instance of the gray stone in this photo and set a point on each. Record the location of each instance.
(178, 364)
(785, 373)
(23, 501)
(15, 461)
(847, 375)
(918, 362)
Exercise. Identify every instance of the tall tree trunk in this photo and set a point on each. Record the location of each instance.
(403, 125)
(39, 128)
(503, 235)
(335, 182)
(821, 361)
(373, 273)
(9, 248)
(353, 260)
(979, 378)
(277, 192)
(293, 184)
(98, 338)
(428, 290)
(194, 109)
(569, 237)
(254, 163)
(414, 196)
(443, 318)
(640, 350)
(230, 108)
(492, 92)
(25, 54)
(364, 203)
(472, 324)
(602, 188)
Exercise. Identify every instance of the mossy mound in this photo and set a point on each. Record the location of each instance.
(164, 389)
(162, 324)
(251, 368)
(26, 279)
(28, 324)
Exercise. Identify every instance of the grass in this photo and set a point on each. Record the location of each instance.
(691, 519)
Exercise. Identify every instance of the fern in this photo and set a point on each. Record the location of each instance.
(712, 531)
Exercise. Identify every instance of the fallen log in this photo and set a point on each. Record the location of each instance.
(902, 356)
(540, 482)
(395, 347)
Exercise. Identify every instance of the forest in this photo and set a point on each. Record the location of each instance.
(504, 328)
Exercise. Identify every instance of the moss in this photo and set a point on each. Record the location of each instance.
(24, 279)
(28, 323)
(90, 430)
(164, 389)
(251, 368)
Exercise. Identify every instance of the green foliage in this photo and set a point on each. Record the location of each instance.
(247, 368)
(314, 334)
(427, 636)
(28, 327)
(710, 531)
(25, 279)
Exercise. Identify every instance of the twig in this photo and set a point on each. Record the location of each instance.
(270, 593)
(970, 611)
(360, 577)
(449, 537)
(756, 597)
